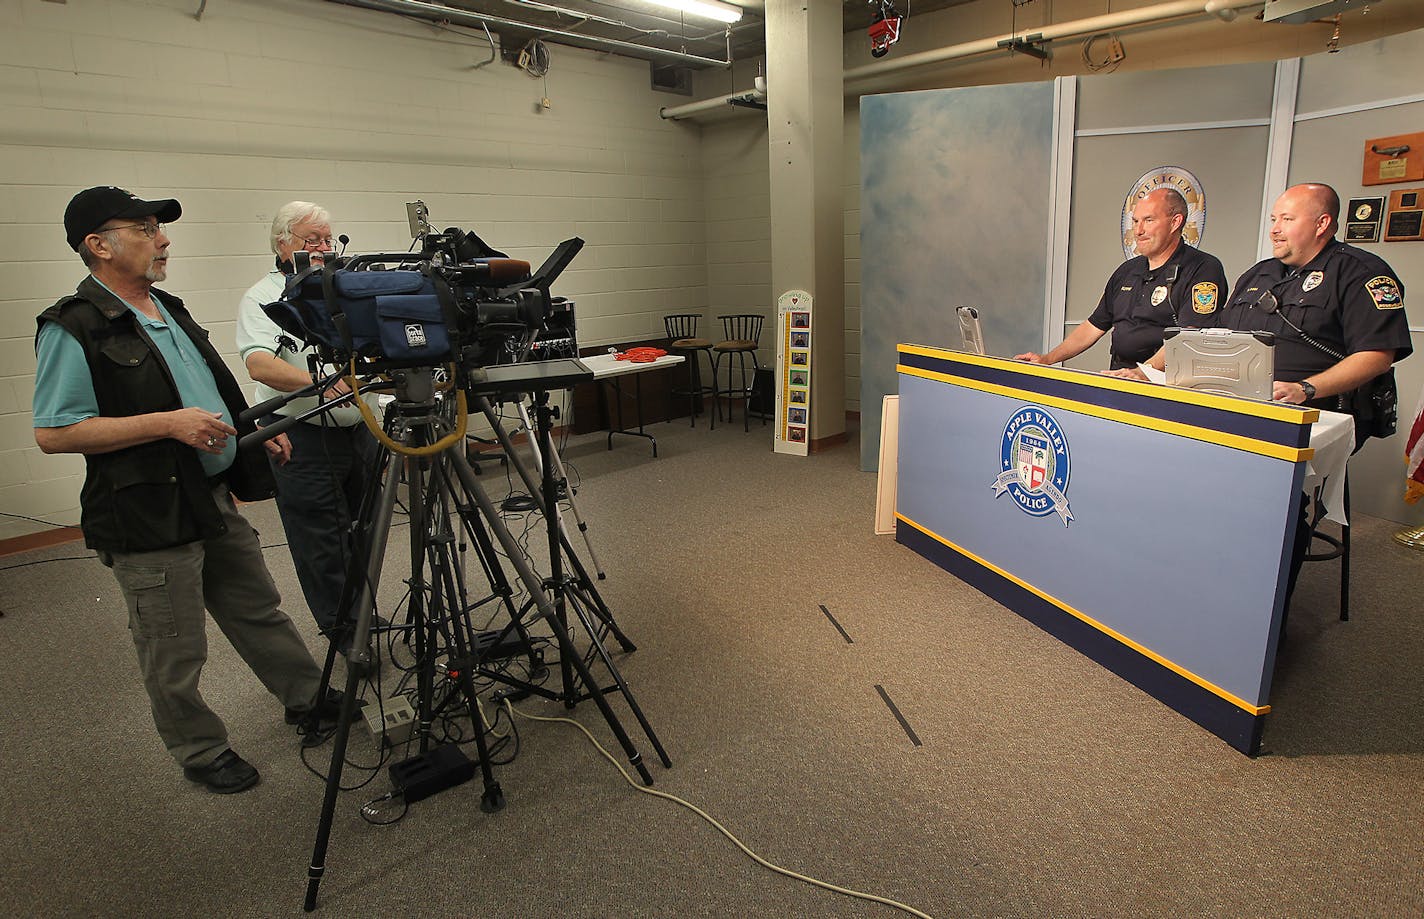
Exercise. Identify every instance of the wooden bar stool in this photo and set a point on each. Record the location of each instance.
(682, 339)
(741, 335)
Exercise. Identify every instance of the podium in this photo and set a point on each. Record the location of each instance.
(1148, 527)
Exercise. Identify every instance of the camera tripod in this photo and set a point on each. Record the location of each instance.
(553, 455)
(427, 450)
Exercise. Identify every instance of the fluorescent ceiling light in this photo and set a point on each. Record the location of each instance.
(711, 9)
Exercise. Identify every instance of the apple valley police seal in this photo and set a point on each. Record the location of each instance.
(1033, 463)
(1167, 177)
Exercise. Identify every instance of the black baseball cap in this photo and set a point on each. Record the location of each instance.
(93, 207)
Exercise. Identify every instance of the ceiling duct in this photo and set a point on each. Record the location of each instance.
(1147, 16)
(440, 13)
(1296, 12)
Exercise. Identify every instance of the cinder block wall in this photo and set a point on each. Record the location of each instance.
(264, 101)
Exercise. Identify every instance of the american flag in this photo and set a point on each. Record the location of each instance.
(1414, 456)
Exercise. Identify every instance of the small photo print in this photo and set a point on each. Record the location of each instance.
(800, 320)
(799, 377)
(798, 397)
(800, 358)
(800, 339)
(796, 415)
(796, 435)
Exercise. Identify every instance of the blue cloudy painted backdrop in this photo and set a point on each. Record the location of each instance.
(954, 211)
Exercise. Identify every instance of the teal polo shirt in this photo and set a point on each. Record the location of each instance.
(64, 389)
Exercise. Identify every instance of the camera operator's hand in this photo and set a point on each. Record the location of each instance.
(336, 390)
(279, 448)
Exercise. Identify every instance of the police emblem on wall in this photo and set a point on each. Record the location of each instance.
(1166, 177)
(1033, 464)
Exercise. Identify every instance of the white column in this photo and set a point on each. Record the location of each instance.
(805, 121)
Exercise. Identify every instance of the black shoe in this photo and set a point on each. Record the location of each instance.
(318, 723)
(226, 775)
(326, 710)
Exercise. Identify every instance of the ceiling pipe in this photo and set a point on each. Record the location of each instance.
(1147, 15)
(437, 12)
(1221, 9)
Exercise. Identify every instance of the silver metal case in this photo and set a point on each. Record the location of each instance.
(1221, 361)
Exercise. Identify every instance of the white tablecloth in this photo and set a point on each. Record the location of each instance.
(1332, 438)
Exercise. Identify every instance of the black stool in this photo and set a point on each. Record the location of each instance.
(1335, 546)
(682, 339)
(741, 335)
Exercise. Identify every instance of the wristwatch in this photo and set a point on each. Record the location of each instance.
(1308, 388)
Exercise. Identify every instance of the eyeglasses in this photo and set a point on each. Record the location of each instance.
(316, 243)
(151, 230)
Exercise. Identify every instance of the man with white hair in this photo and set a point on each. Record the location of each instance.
(319, 489)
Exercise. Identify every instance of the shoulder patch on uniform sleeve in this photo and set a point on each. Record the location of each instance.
(1384, 290)
(1204, 297)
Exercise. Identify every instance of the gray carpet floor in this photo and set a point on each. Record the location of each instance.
(1043, 785)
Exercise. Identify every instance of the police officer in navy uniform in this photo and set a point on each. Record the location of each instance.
(1337, 311)
(1169, 283)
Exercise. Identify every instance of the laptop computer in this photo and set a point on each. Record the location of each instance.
(1221, 361)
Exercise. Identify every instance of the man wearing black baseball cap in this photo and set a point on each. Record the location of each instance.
(127, 378)
(94, 207)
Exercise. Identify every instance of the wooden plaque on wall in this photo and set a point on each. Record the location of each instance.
(1394, 159)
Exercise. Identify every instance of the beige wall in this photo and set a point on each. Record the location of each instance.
(263, 101)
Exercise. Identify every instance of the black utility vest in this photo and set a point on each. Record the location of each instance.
(153, 495)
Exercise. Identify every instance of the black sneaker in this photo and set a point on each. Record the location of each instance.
(326, 710)
(318, 723)
(226, 775)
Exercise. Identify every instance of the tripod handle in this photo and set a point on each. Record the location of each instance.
(271, 405)
(262, 435)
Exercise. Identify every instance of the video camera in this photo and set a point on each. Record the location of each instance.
(455, 301)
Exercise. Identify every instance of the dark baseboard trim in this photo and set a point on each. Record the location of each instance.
(826, 443)
(41, 540)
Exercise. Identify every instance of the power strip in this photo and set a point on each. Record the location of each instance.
(390, 722)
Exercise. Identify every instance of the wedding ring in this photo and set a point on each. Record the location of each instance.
(212, 441)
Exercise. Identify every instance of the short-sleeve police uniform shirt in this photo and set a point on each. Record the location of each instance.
(1139, 302)
(1346, 299)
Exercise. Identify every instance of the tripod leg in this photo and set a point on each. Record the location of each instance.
(424, 660)
(453, 627)
(582, 612)
(567, 652)
(356, 665)
(568, 489)
(536, 493)
(484, 551)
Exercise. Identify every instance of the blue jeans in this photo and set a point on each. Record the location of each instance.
(318, 496)
(167, 591)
